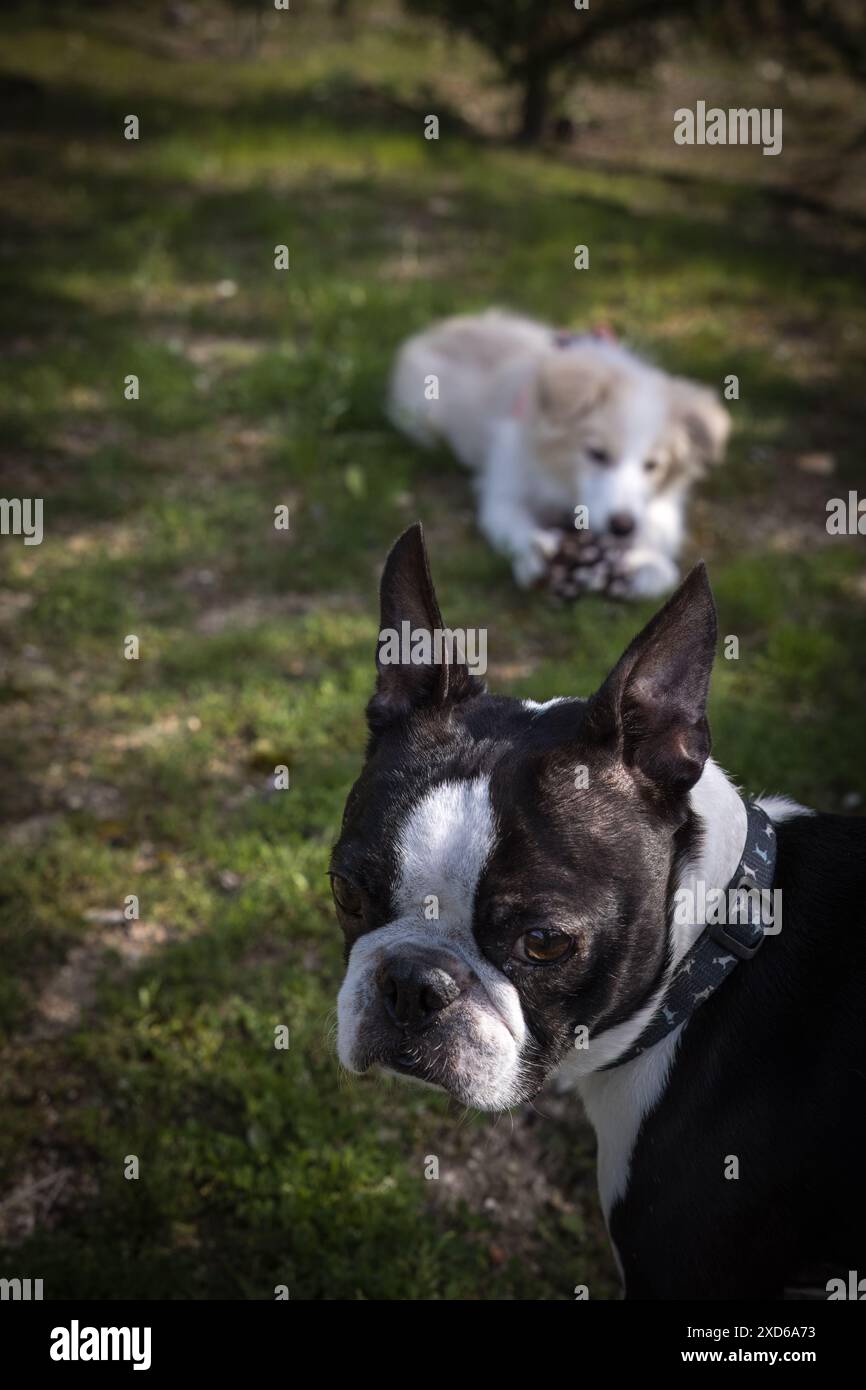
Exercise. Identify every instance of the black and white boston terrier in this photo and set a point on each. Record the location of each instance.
(513, 880)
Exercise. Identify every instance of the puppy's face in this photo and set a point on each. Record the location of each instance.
(503, 871)
(617, 433)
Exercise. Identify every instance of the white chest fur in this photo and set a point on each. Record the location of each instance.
(617, 1101)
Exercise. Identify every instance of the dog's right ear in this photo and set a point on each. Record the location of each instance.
(408, 619)
(652, 709)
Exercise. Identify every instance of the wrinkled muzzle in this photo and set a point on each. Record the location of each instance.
(430, 1011)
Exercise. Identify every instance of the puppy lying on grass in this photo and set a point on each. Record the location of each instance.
(563, 430)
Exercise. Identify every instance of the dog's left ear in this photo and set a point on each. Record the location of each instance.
(703, 419)
(407, 597)
(652, 707)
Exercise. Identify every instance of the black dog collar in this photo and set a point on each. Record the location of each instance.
(721, 945)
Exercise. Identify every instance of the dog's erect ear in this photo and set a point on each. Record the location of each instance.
(703, 419)
(409, 619)
(652, 707)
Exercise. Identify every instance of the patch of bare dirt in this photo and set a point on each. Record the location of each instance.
(248, 612)
(35, 1200)
(788, 517)
(71, 991)
(508, 1171)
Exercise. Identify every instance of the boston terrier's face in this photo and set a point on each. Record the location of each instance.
(504, 871)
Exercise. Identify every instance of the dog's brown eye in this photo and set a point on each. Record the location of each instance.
(346, 896)
(544, 946)
(651, 465)
(598, 455)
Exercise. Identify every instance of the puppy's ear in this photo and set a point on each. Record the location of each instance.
(568, 384)
(408, 612)
(652, 708)
(703, 419)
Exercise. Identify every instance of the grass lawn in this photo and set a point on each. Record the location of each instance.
(259, 387)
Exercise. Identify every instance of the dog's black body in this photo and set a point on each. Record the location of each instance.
(554, 913)
(771, 1069)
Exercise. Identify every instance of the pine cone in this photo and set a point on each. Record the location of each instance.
(587, 564)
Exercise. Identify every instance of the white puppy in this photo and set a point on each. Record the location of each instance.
(549, 422)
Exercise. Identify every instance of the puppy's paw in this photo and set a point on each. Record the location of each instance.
(646, 573)
(530, 564)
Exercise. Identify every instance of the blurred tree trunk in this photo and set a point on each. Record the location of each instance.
(535, 102)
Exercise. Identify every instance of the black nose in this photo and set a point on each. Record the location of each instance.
(415, 991)
(621, 523)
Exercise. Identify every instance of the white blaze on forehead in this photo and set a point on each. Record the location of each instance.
(443, 847)
(646, 414)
